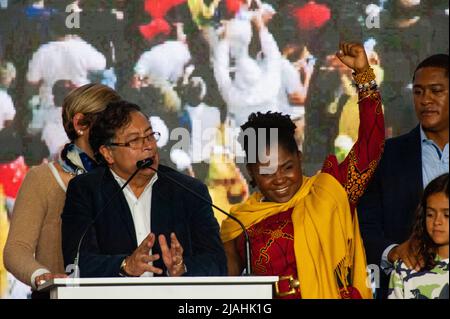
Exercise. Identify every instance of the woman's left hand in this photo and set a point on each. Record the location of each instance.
(173, 256)
(354, 56)
(42, 279)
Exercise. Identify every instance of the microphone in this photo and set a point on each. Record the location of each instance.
(147, 163)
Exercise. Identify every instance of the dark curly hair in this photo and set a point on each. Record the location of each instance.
(270, 120)
(423, 245)
(117, 115)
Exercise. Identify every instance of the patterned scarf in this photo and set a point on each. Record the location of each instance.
(327, 243)
(75, 161)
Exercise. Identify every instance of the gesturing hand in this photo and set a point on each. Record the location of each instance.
(138, 262)
(173, 257)
(354, 56)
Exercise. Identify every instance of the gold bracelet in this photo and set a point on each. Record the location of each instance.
(364, 77)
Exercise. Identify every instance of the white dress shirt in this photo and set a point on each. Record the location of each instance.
(140, 210)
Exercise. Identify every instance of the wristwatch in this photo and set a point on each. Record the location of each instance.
(122, 271)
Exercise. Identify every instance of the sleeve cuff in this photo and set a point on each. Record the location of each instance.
(185, 271)
(37, 273)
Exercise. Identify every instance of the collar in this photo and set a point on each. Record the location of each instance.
(75, 161)
(425, 140)
(122, 181)
(423, 136)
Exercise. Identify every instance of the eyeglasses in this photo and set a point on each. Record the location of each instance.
(138, 142)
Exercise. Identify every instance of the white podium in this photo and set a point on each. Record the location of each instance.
(252, 287)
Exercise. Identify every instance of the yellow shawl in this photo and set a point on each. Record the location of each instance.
(327, 242)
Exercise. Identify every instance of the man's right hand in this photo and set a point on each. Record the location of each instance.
(405, 252)
(138, 262)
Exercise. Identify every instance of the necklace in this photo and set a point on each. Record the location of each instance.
(72, 174)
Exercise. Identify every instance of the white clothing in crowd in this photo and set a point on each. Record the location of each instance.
(255, 86)
(7, 110)
(164, 62)
(53, 133)
(17, 289)
(205, 122)
(290, 84)
(245, 13)
(158, 125)
(69, 59)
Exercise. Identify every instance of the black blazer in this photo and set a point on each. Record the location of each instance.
(387, 209)
(113, 235)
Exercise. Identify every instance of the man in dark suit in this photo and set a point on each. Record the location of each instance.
(409, 163)
(130, 237)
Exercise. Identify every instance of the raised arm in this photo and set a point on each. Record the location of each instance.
(357, 169)
(221, 64)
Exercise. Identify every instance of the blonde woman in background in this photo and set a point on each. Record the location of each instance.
(33, 252)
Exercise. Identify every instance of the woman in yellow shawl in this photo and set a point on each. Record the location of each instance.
(305, 229)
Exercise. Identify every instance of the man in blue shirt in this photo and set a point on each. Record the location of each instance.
(409, 163)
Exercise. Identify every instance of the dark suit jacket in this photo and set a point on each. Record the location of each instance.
(387, 209)
(113, 236)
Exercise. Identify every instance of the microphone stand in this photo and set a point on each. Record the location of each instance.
(76, 273)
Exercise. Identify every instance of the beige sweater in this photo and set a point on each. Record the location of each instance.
(34, 239)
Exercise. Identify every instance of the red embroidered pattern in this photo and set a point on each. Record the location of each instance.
(274, 234)
(356, 180)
